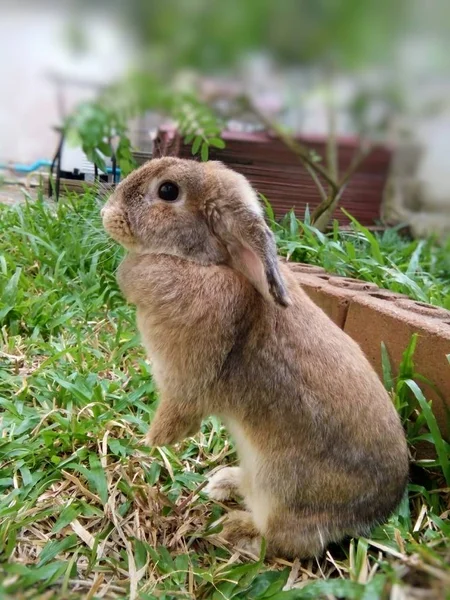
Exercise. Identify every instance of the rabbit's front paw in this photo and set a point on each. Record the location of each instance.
(224, 484)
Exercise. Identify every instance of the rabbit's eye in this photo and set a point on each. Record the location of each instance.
(168, 191)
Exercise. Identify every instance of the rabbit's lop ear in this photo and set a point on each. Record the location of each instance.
(252, 250)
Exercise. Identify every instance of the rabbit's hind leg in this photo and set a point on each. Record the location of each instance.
(225, 484)
(295, 536)
(241, 532)
(239, 527)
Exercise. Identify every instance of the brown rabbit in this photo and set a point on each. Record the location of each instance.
(231, 333)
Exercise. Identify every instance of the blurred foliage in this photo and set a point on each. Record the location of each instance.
(100, 126)
(210, 34)
(92, 126)
(75, 36)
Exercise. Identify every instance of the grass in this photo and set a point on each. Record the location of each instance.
(417, 268)
(87, 511)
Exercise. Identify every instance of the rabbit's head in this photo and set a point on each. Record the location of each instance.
(203, 212)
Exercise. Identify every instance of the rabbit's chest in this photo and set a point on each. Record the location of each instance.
(257, 498)
(246, 449)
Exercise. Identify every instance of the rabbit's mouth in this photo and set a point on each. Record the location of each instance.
(116, 225)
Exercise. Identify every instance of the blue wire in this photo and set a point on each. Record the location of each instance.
(37, 165)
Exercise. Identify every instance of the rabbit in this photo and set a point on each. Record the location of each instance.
(231, 333)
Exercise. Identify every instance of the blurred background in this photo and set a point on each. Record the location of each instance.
(340, 76)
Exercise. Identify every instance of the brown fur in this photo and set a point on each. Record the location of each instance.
(231, 333)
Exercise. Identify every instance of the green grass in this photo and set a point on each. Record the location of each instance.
(87, 511)
(417, 268)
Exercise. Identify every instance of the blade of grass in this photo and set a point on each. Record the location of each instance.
(439, 442)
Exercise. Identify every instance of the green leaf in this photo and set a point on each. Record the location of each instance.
(406, 368)
(30, 576)
(140, 553)
(98, 478)
(217, 143)
(73, 138)
(361, 558)
(196, 145)
(388, 378)
(415, 258)
(374, 244)
(307, 216)
(205, 152)
(439, 443)
(126, 166)
(55, 547)
(68, 514)
(152, 474)
(9, 294)
(94, 156)
(105, 148)
(338, 588)
(162, 559)
(293, 225)
(117, 447)
(267, 584)
(95, 476)
(269, 210)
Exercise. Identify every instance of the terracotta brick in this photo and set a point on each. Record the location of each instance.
(427, 310)
(304, 268)
(382, 294)
(335, 306)
(332, 294)
(372, 319)
(349, 283)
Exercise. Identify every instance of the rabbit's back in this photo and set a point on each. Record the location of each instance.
(312, 410)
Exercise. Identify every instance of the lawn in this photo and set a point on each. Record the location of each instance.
(87, 511)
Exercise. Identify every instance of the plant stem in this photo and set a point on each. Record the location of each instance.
(301, 151)
(361, 154)
(323, 212)
(321, 219)
(327, 206)
(315, 178)
(332, 151)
